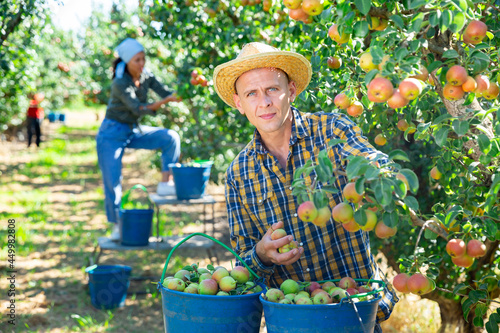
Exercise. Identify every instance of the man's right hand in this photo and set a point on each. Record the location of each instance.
(267, 249)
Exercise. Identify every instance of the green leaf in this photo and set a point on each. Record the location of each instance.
(412, 203)
(398, 154)
(441, 136)
(334, 142)
(417, 4)
(360, 217)
(492, 325)
(356, 166)
(434, 18)
(383, 192)
(371, 173)
(330, 189)
(490, 228)
(369, 77)
(466, 307)
(442, 118)
(460, 288)
(484, 143)
(450, 54)
(363, 6)
(361, 29)
(461, 5)
(460, 127)
(428, 234)
(477, 295)
(458, 22)
(445, 20)
(434, 65)
(390, 219)
(481, 56)
(469, 99)
(412, 179)
(359, 186)
(398, 21)
(478, 321)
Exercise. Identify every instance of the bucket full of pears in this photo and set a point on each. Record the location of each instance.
(342, 305)
(211, 299)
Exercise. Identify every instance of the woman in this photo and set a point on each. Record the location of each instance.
(120, 128)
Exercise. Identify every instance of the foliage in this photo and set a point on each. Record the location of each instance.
(460, 138)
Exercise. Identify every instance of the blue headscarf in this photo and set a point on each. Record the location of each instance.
(126, 51)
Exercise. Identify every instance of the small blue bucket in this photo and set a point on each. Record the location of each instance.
(190, 181)
(341, 317)
(135, 224)
(108, 285)
(62, 117)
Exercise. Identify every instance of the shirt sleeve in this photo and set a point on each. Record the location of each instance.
(244, 235)
(126, 94)
(158, 88)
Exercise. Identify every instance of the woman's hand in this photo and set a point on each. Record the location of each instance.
(173, 98)
(156, 105)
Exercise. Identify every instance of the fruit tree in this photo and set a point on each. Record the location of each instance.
(420, 78)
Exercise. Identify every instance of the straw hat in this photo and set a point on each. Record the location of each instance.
(259, 55)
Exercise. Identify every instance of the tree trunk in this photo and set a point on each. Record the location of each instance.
(452, 317)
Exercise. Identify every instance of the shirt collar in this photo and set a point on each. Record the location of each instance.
(300, 130)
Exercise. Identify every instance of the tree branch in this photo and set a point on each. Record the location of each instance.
(429, 224)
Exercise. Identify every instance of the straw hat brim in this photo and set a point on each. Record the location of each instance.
(295, 65)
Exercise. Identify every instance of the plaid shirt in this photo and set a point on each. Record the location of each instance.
(258, 194)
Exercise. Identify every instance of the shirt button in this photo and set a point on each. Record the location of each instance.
(260, 200)
(301, 244)
(295, 214)
(308, 269)
(291, 188)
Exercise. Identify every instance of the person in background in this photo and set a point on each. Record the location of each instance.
(262, 83)
(34, 118)
(120, 128)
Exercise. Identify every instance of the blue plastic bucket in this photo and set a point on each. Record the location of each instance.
(341, 317)
(136, 226)
(108, 285)
(190, 181)
(184, 312)
(52, 117)
(62, 117)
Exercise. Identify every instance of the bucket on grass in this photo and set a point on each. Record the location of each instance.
(135, 224)
(346, 316)
(184, 312)
(108, 285)
(53, 117)
(191, 179)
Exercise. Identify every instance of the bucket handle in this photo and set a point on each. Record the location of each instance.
(127, 194)
(211, 238)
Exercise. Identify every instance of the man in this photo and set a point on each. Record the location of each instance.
(262, 82)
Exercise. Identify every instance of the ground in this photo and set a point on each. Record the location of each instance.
(55, 196)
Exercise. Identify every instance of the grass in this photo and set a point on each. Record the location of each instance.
(56, 197)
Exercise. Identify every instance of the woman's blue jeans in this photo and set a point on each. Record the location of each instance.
(112, 139)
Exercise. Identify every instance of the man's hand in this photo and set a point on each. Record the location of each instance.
(267, 249)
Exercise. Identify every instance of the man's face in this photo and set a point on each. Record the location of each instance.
(264, 95)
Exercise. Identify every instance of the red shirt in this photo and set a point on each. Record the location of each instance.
(34, 111)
